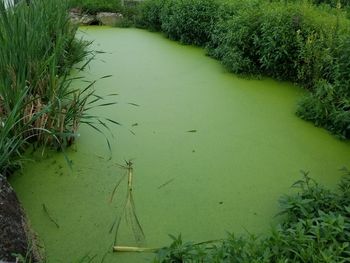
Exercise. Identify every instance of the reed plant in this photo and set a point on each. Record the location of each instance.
(12, 137)
(37, 102)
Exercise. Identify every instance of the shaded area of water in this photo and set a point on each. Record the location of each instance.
(244, 151)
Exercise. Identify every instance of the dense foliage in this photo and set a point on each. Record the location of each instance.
(190, 21)
(287, 40)
(149, 15)
(332, 3)
(95, 6)
(315, 228)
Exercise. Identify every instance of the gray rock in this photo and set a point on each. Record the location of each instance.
(76, 17)
(108, 19)
(87, 19)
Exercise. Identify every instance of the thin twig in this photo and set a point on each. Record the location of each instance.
(49, 216)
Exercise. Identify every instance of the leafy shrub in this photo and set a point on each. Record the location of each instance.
(315, 227)
(287, 41)
(149, 16)
(300, 50)
(221, 30)
(234, 40)
(329, 105)
(189, 21)
(130, 16)
(95, 6)
(332, 3)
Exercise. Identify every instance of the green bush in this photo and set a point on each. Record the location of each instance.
(189, 21)
(130, 17)
(149, 14)
(315, 227)
(220, 32)
(235, 38)
(329, 105)
(332, 3)
(95, 6)
(301, 49)
(286, 41)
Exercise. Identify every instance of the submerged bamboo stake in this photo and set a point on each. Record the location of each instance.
(130, 179)
(129, 210)
(134, 249)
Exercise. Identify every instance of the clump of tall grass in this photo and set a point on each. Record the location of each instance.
(12, 137)
(38, 51)
(315, 227)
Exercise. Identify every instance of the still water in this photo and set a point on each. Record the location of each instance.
(212, 152)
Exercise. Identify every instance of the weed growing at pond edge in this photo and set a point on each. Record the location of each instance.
(315, 227)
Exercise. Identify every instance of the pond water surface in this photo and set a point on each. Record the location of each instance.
(212, 152)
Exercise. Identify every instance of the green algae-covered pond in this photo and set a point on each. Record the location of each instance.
(212, 152)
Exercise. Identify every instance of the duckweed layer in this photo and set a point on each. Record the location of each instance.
(211, 151)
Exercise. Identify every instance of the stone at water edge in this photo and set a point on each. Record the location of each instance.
(87, 20)
(102, 18)
(77, 17)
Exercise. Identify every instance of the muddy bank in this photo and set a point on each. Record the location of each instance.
(15, 236)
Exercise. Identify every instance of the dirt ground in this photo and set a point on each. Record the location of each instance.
(15, 237)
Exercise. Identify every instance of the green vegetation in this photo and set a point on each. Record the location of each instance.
(190, 21)
(149, 16)
(95, 6)
(294, 41)
(315, 228)
(37, 103)
(130, 14)
(332, 3)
